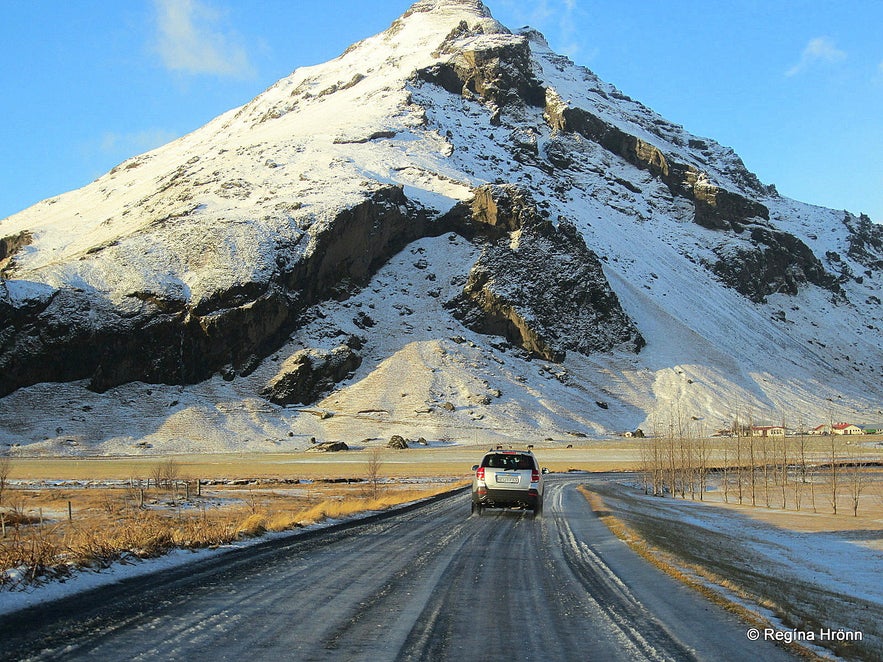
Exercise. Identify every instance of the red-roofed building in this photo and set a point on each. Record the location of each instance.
(846, 428)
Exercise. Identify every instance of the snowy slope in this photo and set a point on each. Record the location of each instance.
(207, 228)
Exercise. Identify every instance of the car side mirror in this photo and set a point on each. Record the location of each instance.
(545, 470)
(474, 467)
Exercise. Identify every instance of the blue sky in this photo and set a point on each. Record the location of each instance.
(794, 86)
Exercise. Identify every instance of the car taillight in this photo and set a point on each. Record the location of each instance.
(534, 476)
(479, 473)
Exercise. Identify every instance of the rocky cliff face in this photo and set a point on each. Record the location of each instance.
(772, 262)
(539, 285)
(595, 229)
(70, 334)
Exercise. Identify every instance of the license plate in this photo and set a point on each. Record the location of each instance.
(507, 478)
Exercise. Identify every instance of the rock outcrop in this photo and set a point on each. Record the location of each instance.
(397, 442)
(328, 447)
(539, 285)
(771, 262)
(308, 373)
(865, 241)
(9, 245)
(715, 207)
(500, 74)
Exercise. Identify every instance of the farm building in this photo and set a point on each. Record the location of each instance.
(767, 431)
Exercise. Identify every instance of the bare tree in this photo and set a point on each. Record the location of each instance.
(802, 469)
(165, 474)
(726, 472)
(657, 461)
(646, 467)
(703, 457)
(671, 463)
(5, 468)
(765, 469)
(811, 473)
(740, 461)
(752, 463)
(834, 471)
(783, 468)
(857, 479)
(373, 467)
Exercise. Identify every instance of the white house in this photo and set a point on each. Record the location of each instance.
(767, 431)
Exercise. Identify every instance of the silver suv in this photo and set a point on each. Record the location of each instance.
(508, 479)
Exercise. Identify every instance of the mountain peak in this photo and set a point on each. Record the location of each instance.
(445, 15)
(474, 7)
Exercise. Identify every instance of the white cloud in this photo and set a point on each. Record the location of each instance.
(818, 50)
(191, 40)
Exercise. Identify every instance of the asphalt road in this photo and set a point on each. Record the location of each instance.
(429, 583)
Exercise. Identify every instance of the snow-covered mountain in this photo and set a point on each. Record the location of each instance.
(449, 231)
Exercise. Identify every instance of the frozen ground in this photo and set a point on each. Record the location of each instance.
(804, 581)
(809, 581)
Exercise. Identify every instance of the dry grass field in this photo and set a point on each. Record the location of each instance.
(58, 514)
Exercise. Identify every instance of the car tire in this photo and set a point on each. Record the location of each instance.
(538, 508)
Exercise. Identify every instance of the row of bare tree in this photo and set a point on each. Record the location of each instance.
(787, 472)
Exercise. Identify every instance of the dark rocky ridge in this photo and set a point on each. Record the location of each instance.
(769, 261)
(75, 335)
(501, 75)
(9, 246)
(715, 207)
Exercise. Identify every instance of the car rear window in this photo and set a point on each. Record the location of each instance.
(512, 461)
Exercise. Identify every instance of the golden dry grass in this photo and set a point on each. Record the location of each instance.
(108, 523)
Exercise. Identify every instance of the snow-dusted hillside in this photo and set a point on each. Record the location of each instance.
(454, 204)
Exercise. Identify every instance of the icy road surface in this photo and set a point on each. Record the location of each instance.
(426, 583)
